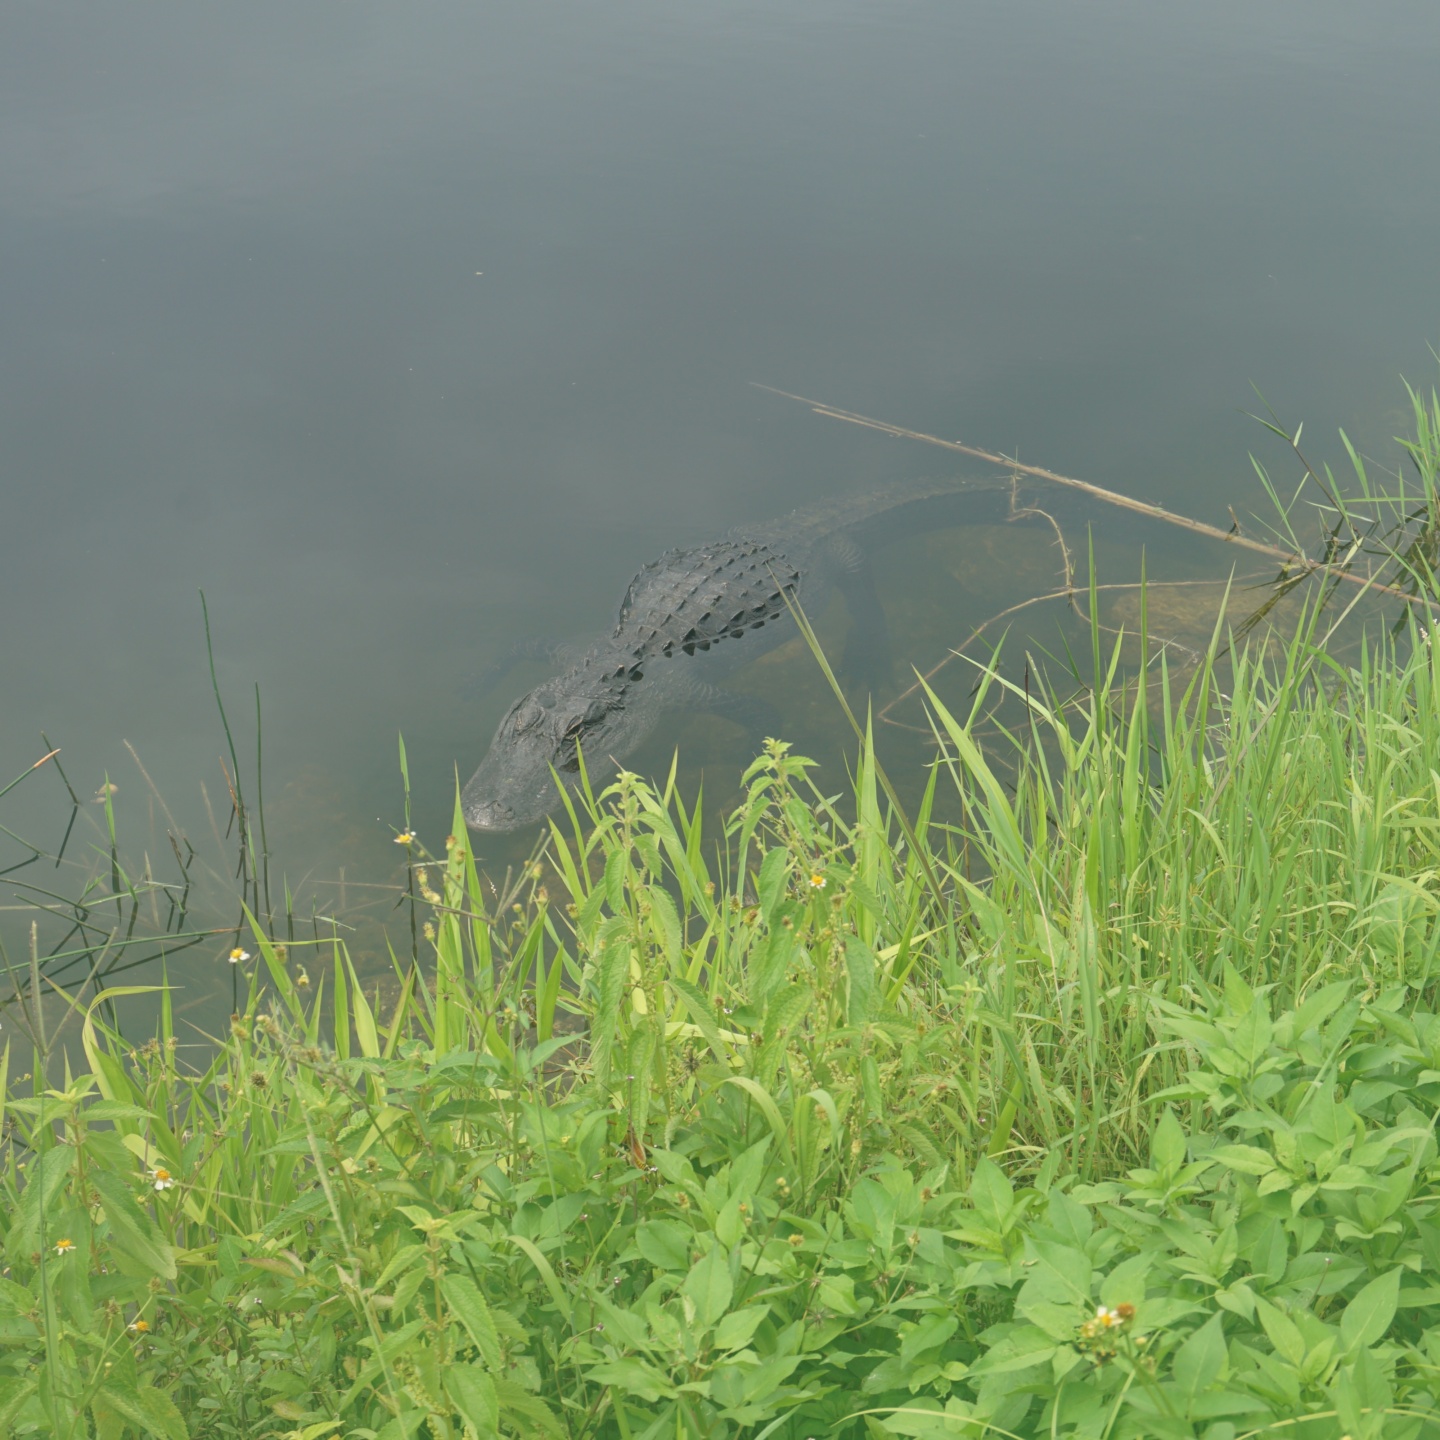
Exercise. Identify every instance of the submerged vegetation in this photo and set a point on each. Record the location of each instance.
(1095, 1099)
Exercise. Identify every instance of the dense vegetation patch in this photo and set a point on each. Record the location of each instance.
(1103, 1108)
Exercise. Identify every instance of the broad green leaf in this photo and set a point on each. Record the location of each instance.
(991, 1193)
(873, 1213)
(407, 1257)
(1360, 1391)
(1070, 1220)
(634, 1377)
(1167, 1145)
(837, 1294)
(109, 1424)
(709, 1286)
(1200, 1359)
(1247, 1159)
(931, 1332)
(1071, 1267)
(736, 1328)
(1283, 1332)
(665, 1244)
(1251, 1037)
(1367, 1317)
(701, 1014)
(1025, 1346)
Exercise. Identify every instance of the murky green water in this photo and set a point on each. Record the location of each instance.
(405, 331)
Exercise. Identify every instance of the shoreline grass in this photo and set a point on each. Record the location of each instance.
(1097, 1099)
(700, 1141)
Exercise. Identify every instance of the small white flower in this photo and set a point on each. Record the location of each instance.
(405, 837)
(817, 881)
(161, 1178)
(238, 956)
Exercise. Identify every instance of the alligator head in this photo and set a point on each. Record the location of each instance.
(540, 740)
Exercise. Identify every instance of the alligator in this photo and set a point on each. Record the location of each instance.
(687, 617)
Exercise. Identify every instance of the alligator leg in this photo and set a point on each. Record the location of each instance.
(759, 717)
(868, 650)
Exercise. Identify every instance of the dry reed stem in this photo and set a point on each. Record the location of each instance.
(1110, 497)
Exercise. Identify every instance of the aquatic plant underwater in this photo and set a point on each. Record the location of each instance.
(1095, 1098)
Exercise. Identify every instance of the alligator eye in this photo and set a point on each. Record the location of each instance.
(527, 716)
(575, 727)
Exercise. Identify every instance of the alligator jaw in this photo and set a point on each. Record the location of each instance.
(490, 815)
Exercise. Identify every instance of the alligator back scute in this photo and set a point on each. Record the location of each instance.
(691, 599)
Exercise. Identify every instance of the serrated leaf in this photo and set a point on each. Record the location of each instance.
(114, 1110)
(519, 1405)
(770, 883)
(151, 1409)
(464, 1298)
(860, 967)
(472, 1392)
(131, 1231)
(47, 1176)
(15, 1390)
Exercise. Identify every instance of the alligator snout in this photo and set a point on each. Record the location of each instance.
(490, 815)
